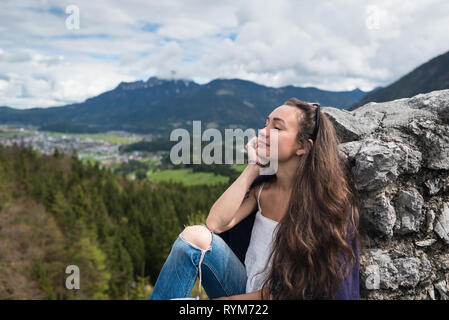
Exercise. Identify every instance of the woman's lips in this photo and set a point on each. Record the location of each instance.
(260, 143)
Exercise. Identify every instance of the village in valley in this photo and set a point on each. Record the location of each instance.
(103, 148)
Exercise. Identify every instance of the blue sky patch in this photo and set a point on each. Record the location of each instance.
(151, 27)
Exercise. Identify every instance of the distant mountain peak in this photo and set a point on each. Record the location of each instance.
(131, 85)
(154, 82)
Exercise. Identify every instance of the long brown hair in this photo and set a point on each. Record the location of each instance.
(311, 255)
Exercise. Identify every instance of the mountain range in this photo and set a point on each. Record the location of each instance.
(160, 105)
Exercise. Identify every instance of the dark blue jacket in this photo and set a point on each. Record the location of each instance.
(238, 238)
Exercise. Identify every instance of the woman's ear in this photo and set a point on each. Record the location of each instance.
(302, 151)
(311, 143)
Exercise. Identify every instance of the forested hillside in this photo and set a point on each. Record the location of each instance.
(55, 212)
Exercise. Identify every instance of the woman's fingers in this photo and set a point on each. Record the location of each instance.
(252, 151)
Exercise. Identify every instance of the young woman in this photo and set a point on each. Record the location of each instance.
(304, 240)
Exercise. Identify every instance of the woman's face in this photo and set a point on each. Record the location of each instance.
(284, 121)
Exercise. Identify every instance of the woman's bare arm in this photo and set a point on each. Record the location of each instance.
(222, 215)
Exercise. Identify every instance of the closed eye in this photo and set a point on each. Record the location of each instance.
(266, 123)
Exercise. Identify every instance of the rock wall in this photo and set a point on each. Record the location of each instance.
(398, 152)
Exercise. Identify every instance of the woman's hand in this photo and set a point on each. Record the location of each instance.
(253, 153)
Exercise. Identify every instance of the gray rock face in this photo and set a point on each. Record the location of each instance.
(434, 185)
(398, 154)
(379, 215)
(409, 210)
(442, 289)
(436, 102)
(392, 270)
(434, 140)
(425, 243)
(442, 224)
(379, 163)
(351, 126)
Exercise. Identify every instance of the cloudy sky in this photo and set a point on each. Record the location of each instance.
(48, 59)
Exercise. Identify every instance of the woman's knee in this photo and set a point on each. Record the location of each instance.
(198, 235)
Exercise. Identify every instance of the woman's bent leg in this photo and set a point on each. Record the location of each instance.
(221, 272)
(178, 274)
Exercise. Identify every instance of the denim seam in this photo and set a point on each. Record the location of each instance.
(214, 272)
(193, 278)
(189, 286)
(203, 253)
(204, 263)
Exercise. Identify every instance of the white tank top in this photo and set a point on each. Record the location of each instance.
(259, 249)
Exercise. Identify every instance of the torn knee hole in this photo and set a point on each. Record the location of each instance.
(198, 235)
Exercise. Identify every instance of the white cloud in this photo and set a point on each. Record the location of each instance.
(332, 45)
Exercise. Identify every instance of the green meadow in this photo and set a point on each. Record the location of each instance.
(239, 167)
(187, 177)
(11, 134)
(89, 160)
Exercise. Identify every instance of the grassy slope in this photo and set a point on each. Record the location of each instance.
(187, 177)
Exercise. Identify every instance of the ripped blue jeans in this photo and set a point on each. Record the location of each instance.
(220, 272)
